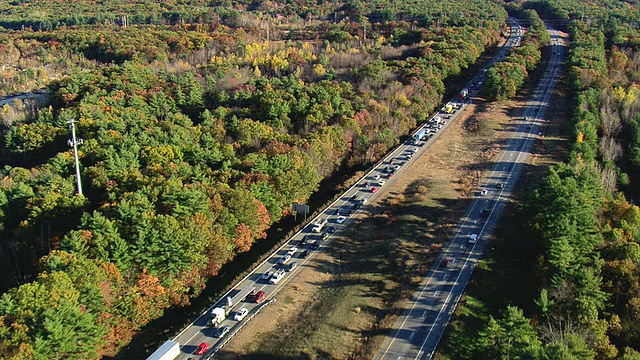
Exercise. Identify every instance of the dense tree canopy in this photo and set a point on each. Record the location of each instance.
(200, 129)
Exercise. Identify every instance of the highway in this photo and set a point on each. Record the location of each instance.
(306, 243)
(418, 330)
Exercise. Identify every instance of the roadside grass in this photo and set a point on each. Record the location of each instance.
(376, 265)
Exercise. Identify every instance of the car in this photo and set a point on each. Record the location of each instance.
(341, 219)
(485, 212)
(267, 275)
(374, 189)
(473, 238)
(484, 192)
(222, 331)
(529, 126)
(277, 276)
(348, 213)
(324, 236)
(376, 176)
(258, 297)
(314, 245)
(337, 212)
(292, 251)
(240, 314)
(389, 176)
(331, 229)
(202, 348)
(396, 167)
(304, 254)
(444, 262)
(381, 182)
(500, 185)
(292, 266)
(285, 259)
(304, 240)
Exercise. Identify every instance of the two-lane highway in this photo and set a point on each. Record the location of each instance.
(418, 331)
(265, 281)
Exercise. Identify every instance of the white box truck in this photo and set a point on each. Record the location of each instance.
(168, 351)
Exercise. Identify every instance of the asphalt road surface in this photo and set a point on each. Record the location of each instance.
(418, 331)
(308, 242)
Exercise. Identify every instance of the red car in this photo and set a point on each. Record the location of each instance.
(389, 176)
(374, 189)
(202, 348)
(259, 296)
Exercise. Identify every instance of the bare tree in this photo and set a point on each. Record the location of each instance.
(610, 118)
(609, 177)
(610, 148)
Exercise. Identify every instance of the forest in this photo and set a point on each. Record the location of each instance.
(201, 124)
(583, 217)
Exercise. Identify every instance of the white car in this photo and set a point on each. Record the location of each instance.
(381, 182)
(285, 259)
(473, 238)
(484, 192)
(341, 219)
(292, 251)
(277, 276)
(376, 176)
(240, 314)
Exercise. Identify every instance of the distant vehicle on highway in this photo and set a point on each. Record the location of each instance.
(473, 238)
(240, 314)
(222, 331)
(340, 219)
(257, 297)
(277, 276)
(484, 192)
(376, 176)
(285, 259)
(267, 275)
(292, 251)
(292, 266)
(202, 348)
(374, 189)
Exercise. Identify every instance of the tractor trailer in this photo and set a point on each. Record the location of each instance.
(168, 351)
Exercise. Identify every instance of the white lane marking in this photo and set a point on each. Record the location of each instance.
(424, 314)
(435, 294)
(410, 337)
